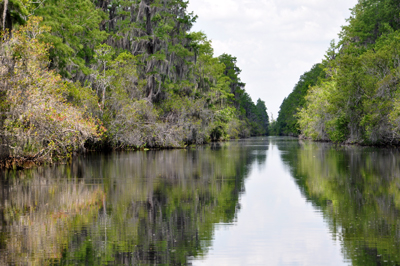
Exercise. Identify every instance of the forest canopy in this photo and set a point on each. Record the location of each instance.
(114, 74)
(355, 99)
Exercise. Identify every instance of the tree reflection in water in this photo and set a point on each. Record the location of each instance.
(358, 191)
(128, 208)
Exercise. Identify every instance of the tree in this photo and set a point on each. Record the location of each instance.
(287, 121)
(74, 35)
(357, 102)
(38, 123)
(14, 12)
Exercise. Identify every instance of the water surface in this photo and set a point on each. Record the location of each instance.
(262, 201)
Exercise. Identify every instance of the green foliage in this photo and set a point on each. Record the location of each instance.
(16, 13)
(273, 128)
(262, 117)
(287, 121)
(255, 116)
(74, 34)
(357, 102)
(136, 67)
(38, 123)
(370, 19)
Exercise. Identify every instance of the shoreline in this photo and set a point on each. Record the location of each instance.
(346, 143)
(23, 163)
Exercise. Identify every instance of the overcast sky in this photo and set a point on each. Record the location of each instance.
(275, 41)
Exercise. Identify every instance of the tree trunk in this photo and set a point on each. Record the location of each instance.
(5, 14)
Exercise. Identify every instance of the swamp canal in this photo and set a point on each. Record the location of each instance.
(260, 201)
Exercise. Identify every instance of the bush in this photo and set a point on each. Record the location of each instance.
(38, 122)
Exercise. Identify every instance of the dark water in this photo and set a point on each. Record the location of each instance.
(262, 201)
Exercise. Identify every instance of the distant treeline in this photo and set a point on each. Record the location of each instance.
(119, 74)
(352, 96)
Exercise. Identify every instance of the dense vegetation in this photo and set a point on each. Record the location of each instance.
(358, 101)
(119, 74)
(287, 122)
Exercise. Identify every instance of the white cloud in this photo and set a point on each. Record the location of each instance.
(275, 41)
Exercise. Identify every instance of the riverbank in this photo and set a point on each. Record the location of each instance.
(28, 162)
(350, 143)
(115, 98)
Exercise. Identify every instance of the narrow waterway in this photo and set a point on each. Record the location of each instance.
(261, 201)
(276, 225)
